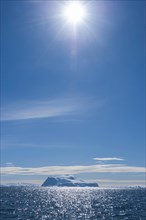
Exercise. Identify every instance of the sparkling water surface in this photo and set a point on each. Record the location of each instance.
(38, 203)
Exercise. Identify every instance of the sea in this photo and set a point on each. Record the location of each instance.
(66, 203)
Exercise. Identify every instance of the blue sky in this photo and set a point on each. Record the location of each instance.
(67, 98)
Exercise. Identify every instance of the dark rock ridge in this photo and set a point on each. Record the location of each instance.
(68, 181)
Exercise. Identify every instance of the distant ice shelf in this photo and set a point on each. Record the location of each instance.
(19, 184)
(69, 181)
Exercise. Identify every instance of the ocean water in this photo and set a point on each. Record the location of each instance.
(38, 203)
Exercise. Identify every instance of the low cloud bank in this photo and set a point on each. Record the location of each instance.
(61, 170)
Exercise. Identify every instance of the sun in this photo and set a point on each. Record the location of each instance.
(74, 12)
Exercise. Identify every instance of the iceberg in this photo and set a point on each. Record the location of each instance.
(68, 181)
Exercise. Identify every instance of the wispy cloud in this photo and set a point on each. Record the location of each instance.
(33, 145)
(107, 158)
(47, 109)
(61, 170)
(9, 164)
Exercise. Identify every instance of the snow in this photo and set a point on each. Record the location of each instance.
(67, 181)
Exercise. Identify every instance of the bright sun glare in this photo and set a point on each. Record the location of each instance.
(74, 12)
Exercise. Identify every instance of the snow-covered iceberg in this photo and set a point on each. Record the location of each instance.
(69, 181)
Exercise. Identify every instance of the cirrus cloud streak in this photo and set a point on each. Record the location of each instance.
(107, 158)
(48, 108)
